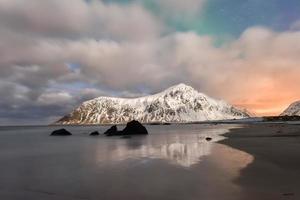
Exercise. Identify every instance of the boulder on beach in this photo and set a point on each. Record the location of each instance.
(132, 128)
(95, 133)
(61, 132)
(111, 131)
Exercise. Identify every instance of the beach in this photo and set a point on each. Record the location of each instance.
(275, 171)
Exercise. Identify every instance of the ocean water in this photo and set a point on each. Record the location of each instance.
(172, 162)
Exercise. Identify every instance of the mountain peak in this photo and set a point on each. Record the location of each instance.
(181, 86)
(296, 103)
(293, 109)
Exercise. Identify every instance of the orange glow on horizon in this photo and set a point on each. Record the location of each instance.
(268, 107)
(264, 111)
(265, 94)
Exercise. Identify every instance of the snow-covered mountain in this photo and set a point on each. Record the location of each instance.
(180, 103)
(292, 110)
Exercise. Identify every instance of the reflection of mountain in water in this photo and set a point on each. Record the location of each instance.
(184, 150)
(184, 154)
(177, 153)
(180, 148)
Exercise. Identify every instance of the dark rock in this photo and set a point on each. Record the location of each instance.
(126, 136)
(208, 139)
(155, 123)
(60, 132)
(288, 194)
(111, 131)
(134, 128)
(95, 133)
(158, 123)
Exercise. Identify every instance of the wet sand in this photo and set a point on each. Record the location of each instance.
(275, 171)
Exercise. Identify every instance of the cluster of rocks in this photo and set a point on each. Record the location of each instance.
(132, 128)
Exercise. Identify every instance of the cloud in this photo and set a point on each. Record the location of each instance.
(51, 63)
(295, 25)
(54, 98)
(78, 19)
(250, 71)
(179, 6)
(13, 95)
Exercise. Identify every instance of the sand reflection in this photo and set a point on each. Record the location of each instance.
(229, 159)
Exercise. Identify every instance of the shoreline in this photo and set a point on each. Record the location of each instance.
(275, 172)
(237, 122)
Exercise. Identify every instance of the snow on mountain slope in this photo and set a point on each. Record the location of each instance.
(293, 109)
(180, 103)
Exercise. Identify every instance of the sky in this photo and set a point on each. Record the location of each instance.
(55, 54)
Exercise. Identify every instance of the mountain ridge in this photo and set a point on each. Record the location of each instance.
(178, 104)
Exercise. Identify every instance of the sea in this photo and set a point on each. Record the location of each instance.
(173, 162)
